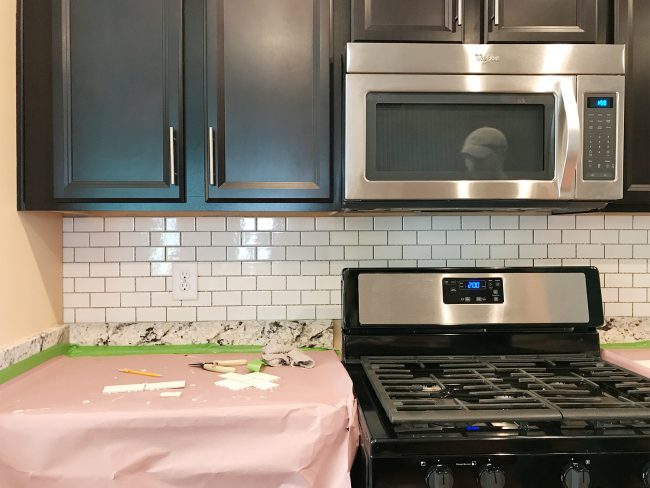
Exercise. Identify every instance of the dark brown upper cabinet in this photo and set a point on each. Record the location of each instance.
(407, 20)
(117, 104)
(572, 21)
(267, 127)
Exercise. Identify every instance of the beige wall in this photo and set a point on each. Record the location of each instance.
(30, 244)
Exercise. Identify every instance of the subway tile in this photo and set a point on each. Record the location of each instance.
(314, 238)
(225, 298)
(149, 224)
(641, 251)
(547, 236)
(533, 251)
(377, 237)
(212, 283)
(122, 315)
(325, 312)
(336, 267)
(312, 297)
(271, 313)
(68, 285)
(271, 253)
(271, 223)
(300, 253)
(104, 270)
(475, 222)
(490, 237)
(301, 283)
(518, 263)
(89, 255)
(256, 298)
(604, 236)
(181, 254)
(180, 223)
(432, 263)
(135, 269)
(90, 315)
(416, 252)
(285, 297)
(134, 239)
(328, 283)
(93, 285)
(202, 269)
(605, 265)
(68, 224)
(347, 238)
(504, 222)
(181, 314)
(474, 252)
(68, 255)
(75, 270)
(576, 236)
(358, 252)
(241, 313)
(445, 223)
(432, 237)
(119, 254)
(104, 239)
(285, 238)
(240, 223)
(461, 237)
(135, 299)
(204, 299)
(210, 313)
(256, 238)
(161, 269)
(76, 300)
(445, 251)
(167, 238)
(240, 253)
(637, 295)
(120, 284)
(618, 221)
(329, 223)
(226, 238)
(329, 253)
(88, 224)
(609, 295)
(150, 283)
(241, 283)
(618, 309)
(226, 269)
(618, 280)
(372, 263)
(401, 238)
(533, 222)
(641, 222)
(151, 314)
(416, 223)
(285, 268)
(149, 253)
(271, 282)
(618, 251)
(590, 222)
(641, 309)
(462, 263)
(505, 251)
(489, 263)
(210, 253)
(255, 268)
(103, 300)
(562, 251)
(300, 223)
(561, 222)
(388, 223)
(633, 237)
(314, 268)
(301, 312)
(547, 262)
(358, 223)
(633, 266)
(76, 239)
(590, 251)
(210, 224)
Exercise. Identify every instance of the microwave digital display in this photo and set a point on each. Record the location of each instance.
(600, 102)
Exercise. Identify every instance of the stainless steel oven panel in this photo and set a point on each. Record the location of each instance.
(567, 138)
(416, 299)
(608, 189)
(524, 59)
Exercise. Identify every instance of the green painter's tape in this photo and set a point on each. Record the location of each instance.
(627, 345)
(85, 351)
(25, 365)
(255, 366)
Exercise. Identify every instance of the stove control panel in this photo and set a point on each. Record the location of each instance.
(472, 290)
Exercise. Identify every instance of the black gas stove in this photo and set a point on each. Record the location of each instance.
(489, 378)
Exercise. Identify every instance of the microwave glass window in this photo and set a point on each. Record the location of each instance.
(460, 137)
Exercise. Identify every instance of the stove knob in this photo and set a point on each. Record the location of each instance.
(646, 475)
(440, 477)
(491, 476)
(575, 475)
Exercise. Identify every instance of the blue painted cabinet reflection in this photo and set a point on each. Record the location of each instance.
(117, 85)
(266, 134)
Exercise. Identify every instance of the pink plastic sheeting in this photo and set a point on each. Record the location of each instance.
(629, 359)
(57, 428)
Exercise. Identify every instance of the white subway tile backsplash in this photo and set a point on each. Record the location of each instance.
(274, 268)
(641, 309)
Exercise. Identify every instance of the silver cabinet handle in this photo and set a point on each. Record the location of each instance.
(497, 12)
(211, 155)
(172, 157)
(460, 11)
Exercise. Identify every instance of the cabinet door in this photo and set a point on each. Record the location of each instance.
(117, 104)
(574, 21)
(407, 20)
(267, 130)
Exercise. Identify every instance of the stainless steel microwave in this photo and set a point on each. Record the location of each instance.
(432, 126)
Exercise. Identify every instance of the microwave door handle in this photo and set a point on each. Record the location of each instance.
(571, 142)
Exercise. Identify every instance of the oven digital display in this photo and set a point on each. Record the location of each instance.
(472, 290)
(600, 102)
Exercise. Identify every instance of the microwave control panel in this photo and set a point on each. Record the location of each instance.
(599, 155)
(472, 290)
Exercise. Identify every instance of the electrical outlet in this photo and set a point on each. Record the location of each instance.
(184, 281)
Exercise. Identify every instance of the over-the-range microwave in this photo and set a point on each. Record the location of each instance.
(472, 127)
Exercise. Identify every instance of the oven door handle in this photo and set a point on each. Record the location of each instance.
(570, 143)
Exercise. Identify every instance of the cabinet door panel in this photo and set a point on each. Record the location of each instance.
(268, 99)
(546, 21)
(117, 94)
(405, 20)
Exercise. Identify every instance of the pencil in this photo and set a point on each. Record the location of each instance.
(143, 373)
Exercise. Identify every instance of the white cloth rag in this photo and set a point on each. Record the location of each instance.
(275, 354)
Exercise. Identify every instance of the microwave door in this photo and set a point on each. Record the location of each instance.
(451, 137)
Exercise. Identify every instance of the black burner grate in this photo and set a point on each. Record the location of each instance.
(465, 390)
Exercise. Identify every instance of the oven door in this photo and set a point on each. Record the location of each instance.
(454, 137)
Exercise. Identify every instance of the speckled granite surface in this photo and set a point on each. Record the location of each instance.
(309, 333)
(625, 329)
(35, 344)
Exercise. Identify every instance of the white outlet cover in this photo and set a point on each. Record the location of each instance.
(184, 281)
